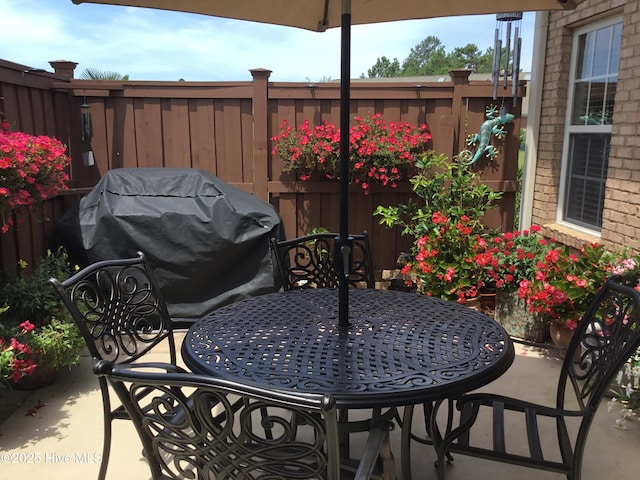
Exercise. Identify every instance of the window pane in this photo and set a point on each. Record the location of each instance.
(585, 55)
(615, 49)
(608, 101)
(588, 157)
(580, 103)
(601, 52)
(595, 111)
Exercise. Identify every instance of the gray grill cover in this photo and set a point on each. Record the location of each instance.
(208, 242)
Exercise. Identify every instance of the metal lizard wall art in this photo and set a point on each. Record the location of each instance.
(493, 126)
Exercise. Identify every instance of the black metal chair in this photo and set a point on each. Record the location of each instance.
(190, 429)
(308, 262)
(607, 335)
(120, 311)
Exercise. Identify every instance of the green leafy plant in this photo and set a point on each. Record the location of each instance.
(446, 225)
(377, 149)
(32, 168)
(36, 331)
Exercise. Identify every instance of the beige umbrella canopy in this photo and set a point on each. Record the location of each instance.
(319, 15)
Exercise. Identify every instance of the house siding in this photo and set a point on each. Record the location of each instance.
(621, 215)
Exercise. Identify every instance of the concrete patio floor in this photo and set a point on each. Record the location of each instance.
(63, 439)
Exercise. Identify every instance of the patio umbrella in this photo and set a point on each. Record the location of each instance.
(319, 15)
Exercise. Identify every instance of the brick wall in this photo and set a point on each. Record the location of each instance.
(621, 217)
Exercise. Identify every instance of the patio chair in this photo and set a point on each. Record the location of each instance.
(607, 335)
(308, 262)
(212, 439)
(120, 311)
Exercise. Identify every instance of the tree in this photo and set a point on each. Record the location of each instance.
(418, 60)
(485, 61)
(384, 68)
(429, 57)
(97, 74)
(464, 56)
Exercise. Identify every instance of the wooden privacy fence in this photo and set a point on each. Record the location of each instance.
(225, 128)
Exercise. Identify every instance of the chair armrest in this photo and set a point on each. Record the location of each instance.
(151, 366)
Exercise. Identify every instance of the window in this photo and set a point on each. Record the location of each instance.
(594, 74)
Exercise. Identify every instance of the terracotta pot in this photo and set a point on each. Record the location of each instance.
(473, 303)
(488, 301)
(561, 337)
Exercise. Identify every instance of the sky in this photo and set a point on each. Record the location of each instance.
(152, 44)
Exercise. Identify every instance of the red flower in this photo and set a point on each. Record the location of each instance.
(27, 326)
(438, 218)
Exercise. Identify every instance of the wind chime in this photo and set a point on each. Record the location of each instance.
(86, 131)
(86, 125)
(497, 118)
(506, 24)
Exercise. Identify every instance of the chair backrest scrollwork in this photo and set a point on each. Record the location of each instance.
(607, 334)
(118, 307)
(192, 426)
(308, 262)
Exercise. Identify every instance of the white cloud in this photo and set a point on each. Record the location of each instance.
(157, 45)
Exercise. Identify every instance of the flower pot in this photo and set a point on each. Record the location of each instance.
(488, 301)
(473, 303)
(41, 377)
(511, 312)
(561, 337)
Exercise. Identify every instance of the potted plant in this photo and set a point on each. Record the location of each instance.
(446, 226)
(378, 150)
(32, 168)
(565, 282)
(508, 259)
(37, 335)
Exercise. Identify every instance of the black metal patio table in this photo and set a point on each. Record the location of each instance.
(400, 349)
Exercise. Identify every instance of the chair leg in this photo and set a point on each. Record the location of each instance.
(432, 431)
(106, 449)
(106, 446)
(467, 419)
(343, 419)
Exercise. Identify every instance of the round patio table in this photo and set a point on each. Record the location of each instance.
(401, 348)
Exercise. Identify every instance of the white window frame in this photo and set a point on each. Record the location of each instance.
(577, 129)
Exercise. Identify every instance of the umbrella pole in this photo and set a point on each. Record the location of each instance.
(345, 96)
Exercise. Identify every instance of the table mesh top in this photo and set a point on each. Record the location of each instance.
(400, 346)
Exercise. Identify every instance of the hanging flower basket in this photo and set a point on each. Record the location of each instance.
(380, 152)
(32, 169)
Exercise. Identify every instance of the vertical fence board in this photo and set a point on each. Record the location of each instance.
(201, 123)
(126, 153)
(175, 133)
(247, 142)
(148, 132)
(102, 141)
